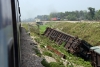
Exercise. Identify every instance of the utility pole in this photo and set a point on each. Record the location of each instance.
(28, 29)
(38, 29)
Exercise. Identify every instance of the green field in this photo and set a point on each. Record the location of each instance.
(40, 29)
(87, 31)
(43, 28)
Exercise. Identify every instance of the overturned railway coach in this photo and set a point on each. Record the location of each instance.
(9, 33)
(75, 46)
(72, 44)
(95, 56)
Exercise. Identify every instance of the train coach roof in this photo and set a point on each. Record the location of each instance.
(96, 49)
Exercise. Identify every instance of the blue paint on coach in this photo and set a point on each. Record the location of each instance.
(6, 31)
(9, 33)
(4, 21)
(0, 16)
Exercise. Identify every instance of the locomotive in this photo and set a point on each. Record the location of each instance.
(10, 33)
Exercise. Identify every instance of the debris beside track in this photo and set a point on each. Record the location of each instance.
(56, 51)
(28, 55)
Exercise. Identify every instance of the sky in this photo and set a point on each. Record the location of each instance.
(32, 8)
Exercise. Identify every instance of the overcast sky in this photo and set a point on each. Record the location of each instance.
(32, 8)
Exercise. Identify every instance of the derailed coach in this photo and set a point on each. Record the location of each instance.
(95, 56)
(84, 50)
(9, 33)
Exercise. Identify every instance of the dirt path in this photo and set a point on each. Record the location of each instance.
(28, 55)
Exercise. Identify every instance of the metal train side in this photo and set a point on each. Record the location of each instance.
(75, 46)
(9, 33)
(95, 56)
(72, 44)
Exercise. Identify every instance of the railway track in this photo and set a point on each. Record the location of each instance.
(28, 55)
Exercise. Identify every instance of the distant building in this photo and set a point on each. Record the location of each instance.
(37, 20)
(39, 23)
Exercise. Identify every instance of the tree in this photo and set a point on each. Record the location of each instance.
(53, 14)
(71, 17)
(91, 13)
(97, 15)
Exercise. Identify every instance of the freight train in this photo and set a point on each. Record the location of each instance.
(10, 33)
(75, 46)
(55, 19)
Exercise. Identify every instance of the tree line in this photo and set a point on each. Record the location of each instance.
(91, 14)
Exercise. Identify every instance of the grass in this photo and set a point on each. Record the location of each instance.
(56, 64)
(47, 53)
(37, 52)
(45, 63)
(42, 46)
(42, 28)
(51, 64)
(35, 28)
(25, 26)
(71, 58)
(44, 41)
(87, 31)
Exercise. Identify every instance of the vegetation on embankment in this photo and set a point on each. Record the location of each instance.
(37, 29)
(44, 41)
(72, 61)
(86, 31)
(51, 64)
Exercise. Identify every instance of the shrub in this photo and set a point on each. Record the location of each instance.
(51, 64)
(47, 53)
(37, 52)
(45, 63)
(55, 64)
(42, 46)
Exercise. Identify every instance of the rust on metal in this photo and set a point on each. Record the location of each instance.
(56, 51)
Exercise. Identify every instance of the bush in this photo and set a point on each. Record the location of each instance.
(47, 53)
(37, 52)
(51, 64)
(55, 64)
(45, 63)
(42, 46)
